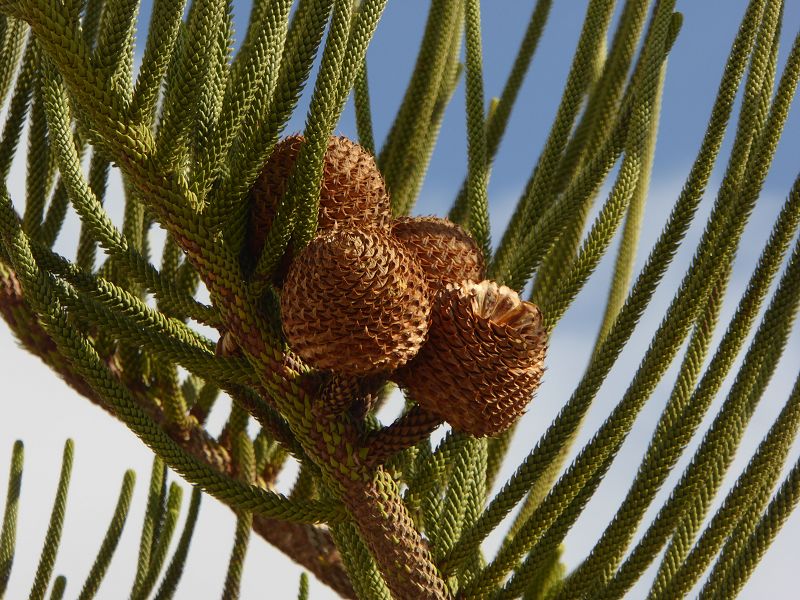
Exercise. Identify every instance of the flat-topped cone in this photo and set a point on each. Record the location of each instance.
(352, 191)
(446, 252)
(483, 360)
(355, 302)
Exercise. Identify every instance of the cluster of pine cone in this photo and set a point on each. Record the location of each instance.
(403, 298)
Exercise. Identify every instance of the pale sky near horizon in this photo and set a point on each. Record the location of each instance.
(46, 412)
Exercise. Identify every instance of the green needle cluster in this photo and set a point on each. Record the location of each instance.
(154, 334)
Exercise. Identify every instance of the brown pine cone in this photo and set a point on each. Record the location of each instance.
(483, 360)
(446, 252)
(352, 189)
(355, 302)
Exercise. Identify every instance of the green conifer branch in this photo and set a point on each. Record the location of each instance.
(475, 500)
(94, 216)
(111, 538)
(17, 110)
(568, 421)
(735, 520)
(300, 204)
(682, 416)
(241, 538)
(152, 516)
(344, 52)
(365, 21)
(252, 80)
(90, 366)
(549, 227)
(91, 20)
(533, 203)
(360, 565)
(497, 119)
(774, 126)
(44, 570)
(564, 219)
(779, 509)
(59, 587)
(639, 152)
(302, 193)
(171, 257)
(175, 569)
(96, 300)
(540, 554)
(604, 99)
(757, 98)
(606, 92)
(447, 528)
(637, 138)
(629, 242)
(645, 489)
(162, 35)
(477, 164)
(11, 44)
(547, 579)
(305, 484)
(210, 101)
(56, 213)
(97, 181)
(268, 115)
(100, 103)
(117, 21)
(405, 194)
(8, 534)
(165, 530)
(408, 133)
(713, 457)
(192, 63)
(302, 593)
(496, 449)
(430, 472)
(363, 109)
(580, 581)
(38, 158)
(628, 180)
(173, 403)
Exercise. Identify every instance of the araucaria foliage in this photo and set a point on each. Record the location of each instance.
(326, 295)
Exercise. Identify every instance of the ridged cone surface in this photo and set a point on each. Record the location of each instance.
(352, 189)
(446, 252)
(355, 302)
(483, 360)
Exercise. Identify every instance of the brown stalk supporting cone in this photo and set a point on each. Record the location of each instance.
(407, 430)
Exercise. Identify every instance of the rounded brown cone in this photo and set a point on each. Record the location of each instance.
(355, 302)
(446, 252)
(352, 189)
(483, 360)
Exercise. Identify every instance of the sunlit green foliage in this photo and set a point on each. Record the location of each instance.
(188, 133)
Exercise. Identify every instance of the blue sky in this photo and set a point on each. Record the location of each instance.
(47, 413)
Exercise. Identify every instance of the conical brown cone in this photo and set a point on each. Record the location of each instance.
(483, 360)
(355, 302)
(446, 252)
(352, 189)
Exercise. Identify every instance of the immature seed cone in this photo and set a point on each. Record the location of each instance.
(446, 252)
(355, 302)
(483, 359)
(352, 189)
